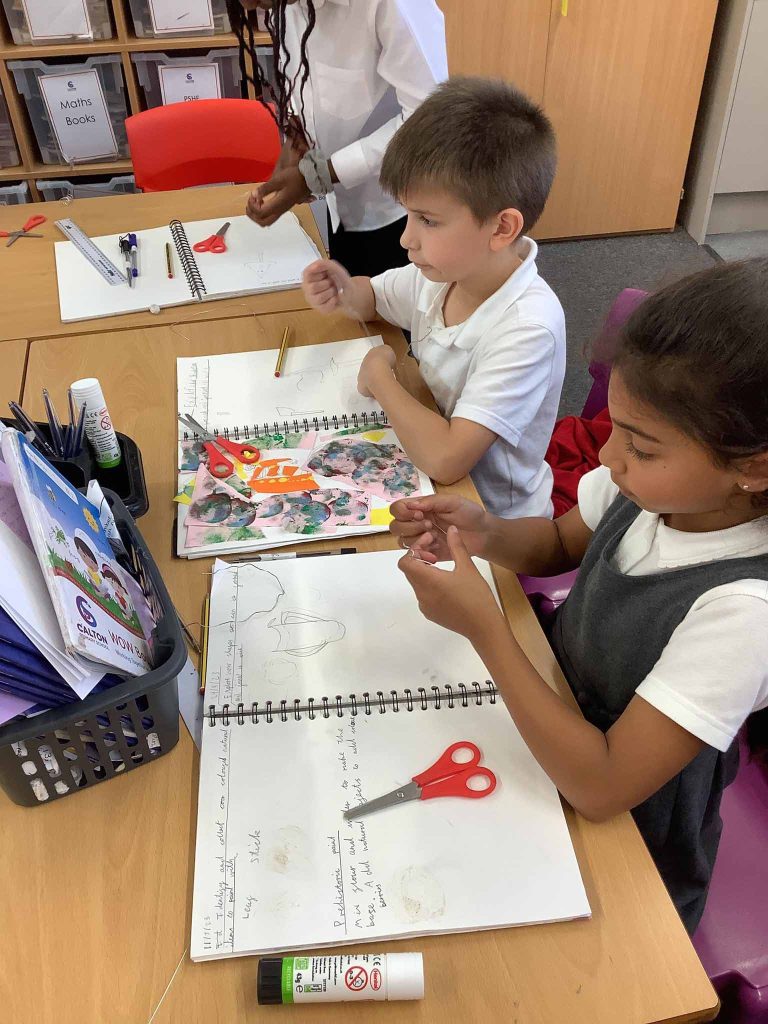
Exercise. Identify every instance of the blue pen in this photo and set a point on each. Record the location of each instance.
(134, 245)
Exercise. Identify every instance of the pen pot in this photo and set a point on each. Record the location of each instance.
(126, 480)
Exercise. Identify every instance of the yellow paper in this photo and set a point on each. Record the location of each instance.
(381, 517)
(183, 499)
(374, 435)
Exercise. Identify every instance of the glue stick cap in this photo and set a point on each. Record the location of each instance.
(405, 976)
(269, 981)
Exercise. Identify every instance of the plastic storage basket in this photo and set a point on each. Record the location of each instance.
(148, 67)
(110, 71)
(74, 747)
(13, 195)
(21, 31)
(144, 25)
(9, 154)
(86, 188)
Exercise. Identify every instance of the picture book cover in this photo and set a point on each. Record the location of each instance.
(88, 587)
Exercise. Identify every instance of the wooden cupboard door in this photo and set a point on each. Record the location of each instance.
(622, 86)
(499, 39)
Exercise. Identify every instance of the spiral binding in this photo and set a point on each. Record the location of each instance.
(366, 704)
(188, 261)
(373, 420)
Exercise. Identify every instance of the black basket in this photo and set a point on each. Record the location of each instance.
(126, 480)
(73, 747)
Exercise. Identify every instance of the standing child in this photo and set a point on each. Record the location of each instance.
(664, 637)
(473, 167)
(347, 74)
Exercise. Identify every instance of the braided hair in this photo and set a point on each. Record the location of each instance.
(275, 97)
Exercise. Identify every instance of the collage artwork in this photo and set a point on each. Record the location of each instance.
(304, 486)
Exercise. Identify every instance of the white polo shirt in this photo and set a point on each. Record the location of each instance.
(371, 63)
(713, 673)
(502, 367)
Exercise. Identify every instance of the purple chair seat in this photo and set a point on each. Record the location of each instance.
(732, 938)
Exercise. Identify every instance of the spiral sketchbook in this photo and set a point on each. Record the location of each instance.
(257, 260)
(330, 465)
(325, 687)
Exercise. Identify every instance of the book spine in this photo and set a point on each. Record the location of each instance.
(365, 704)
(187, 260)
(355, 421)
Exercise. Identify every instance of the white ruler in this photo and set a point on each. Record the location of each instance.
(92, 252)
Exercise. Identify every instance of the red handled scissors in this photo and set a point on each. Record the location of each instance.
(215, 243)
(447, 777)
(33, 222)
(218, 464)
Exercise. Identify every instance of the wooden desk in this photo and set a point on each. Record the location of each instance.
(28, 269)
(103, 929)
(13, 358)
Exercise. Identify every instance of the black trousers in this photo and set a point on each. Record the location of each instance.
(368, 253)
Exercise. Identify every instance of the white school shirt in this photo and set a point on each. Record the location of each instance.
(372, 62)
(713, 673)
(502, 367)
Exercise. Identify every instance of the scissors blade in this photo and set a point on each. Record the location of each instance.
(411, 791)
(191, 424)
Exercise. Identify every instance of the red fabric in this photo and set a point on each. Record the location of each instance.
(573, 452)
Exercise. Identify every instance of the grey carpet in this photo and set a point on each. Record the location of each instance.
(739, 245)
(588, 274)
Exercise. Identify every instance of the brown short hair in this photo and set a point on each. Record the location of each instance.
(480, 139)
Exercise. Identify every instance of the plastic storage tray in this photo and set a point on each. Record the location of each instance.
(13, 195)
(126, 480)
(148, 70)
(110, 71)
(86, 188)
(75, 747)
(143, 25)
(98, 15)
(9, 154)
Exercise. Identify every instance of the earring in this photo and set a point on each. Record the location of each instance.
(745, 487)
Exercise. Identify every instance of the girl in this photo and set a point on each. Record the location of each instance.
(664, 637)
(347, 74)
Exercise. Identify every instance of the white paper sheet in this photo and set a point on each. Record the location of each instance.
(257, 260)
(79, 115)
(63, 19)
(180, 15)
(277, 866)
(189, 82)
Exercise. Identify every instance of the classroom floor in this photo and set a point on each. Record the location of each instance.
(588, 274)
(739, 245)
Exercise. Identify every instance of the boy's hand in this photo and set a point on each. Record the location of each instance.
(324, 283)
(271, 200)
(380, 360)
(458, 599)
(422, 524)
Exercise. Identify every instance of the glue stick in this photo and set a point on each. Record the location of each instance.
(334, 979)
(98, 425)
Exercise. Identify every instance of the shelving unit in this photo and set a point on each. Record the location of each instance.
(124, 43)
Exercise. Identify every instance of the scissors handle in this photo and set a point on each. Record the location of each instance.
(245, 453)
(218, 464)
(451, 777)
(34, 221)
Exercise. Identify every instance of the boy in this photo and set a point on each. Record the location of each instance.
(365, 65)
(473, 166)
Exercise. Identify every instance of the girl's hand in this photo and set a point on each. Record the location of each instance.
(422, 524)
(324, 283)
(380, 360)
(458, 599)
(271, 200)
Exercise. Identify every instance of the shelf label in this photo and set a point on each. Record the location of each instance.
(181, 16)
(79, 115)
(189, 82)
(62, 20)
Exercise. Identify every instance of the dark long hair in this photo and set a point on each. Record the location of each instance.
(697, 351)
(277, 98)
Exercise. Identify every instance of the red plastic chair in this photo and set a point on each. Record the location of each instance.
(202, 143)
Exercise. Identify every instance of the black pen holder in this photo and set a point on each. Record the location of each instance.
(126, 480)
